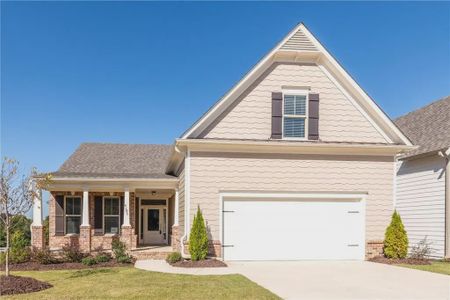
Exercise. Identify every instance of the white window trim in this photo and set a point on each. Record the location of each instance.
(104, 215)
(66, 215)
(296, 93)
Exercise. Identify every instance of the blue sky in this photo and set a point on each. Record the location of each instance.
(143, 72)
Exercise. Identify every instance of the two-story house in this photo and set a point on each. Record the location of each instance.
(295, 162)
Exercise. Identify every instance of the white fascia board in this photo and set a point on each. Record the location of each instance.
(239, 88)
(287, 147)
(353, 86)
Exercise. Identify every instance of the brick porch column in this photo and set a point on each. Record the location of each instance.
(37, 230)
(85, 227)
(126, 235)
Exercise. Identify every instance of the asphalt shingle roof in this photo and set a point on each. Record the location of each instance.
(427, 127)
(117, 161)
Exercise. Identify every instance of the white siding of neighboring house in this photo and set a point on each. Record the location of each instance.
(421, 200)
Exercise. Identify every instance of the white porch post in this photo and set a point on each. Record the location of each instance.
(37, 207)
(176, 208)
(85, 216)
(126, 208)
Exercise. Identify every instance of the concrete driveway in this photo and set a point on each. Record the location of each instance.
(344, 280)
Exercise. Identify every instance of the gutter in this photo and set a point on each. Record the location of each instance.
(446, 155)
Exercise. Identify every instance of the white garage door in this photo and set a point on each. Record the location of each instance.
(293, 229)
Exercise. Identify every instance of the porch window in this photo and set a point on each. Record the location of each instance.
(72, 216)
(111, 215)
(294, 116)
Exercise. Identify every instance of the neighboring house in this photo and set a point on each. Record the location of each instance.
(296, 161)
(423, 180)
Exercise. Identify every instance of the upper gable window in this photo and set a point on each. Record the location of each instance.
(294, 115)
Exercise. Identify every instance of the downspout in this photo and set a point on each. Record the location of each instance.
(187, 200)
(446, 156)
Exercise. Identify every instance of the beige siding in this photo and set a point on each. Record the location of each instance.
(295, 173)
(250, 116)
(421, 200)
(181, 198)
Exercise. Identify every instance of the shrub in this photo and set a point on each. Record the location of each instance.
(421, 250)
(173, 257)
(102, 257)
(198, 239)
(72, 253)
(89, 261)
(118, 248)
(395, 239)
(43, 256)
(125, 259)
(120, 252)
(19, 251)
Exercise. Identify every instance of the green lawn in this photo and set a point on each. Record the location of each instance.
(436, 267)
(131, 283)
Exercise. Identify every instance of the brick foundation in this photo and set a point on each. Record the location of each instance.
(374, 249)
(37, 237)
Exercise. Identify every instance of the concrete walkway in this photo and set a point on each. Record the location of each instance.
(329, 279)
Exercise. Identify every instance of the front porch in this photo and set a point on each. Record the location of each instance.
(144, 219)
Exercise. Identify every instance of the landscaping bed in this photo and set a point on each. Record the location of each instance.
(12, 285)
(206, 263)
(401, 261)
(34, 266)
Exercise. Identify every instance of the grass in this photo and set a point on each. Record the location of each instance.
(442, 267)
(131, 283)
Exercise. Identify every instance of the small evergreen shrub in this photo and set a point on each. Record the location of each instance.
(120, 252)
(395, 238)
(173, 257)
(72, 253)
(118, 248)
(198, 238)
(43, 256)
(19, 251)
(89, 261)
(102, 257)
(126, 259)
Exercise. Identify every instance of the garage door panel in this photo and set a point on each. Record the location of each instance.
(292, 230)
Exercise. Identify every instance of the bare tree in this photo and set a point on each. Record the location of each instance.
(17, 194)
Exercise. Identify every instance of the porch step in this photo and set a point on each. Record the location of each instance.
(150, 252)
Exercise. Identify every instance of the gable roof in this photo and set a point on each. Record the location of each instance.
(428, 127)
(104, 160)
(301, 46)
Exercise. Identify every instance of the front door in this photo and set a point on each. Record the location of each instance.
(154, 221)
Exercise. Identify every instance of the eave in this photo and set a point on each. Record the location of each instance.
(110, 184)
(290, 147)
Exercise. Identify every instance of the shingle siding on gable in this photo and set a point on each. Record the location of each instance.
(421, 200)
(250, 117)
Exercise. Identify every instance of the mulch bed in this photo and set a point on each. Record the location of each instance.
(406, 261)
(207, 263)
(19, 285)
(33, 266)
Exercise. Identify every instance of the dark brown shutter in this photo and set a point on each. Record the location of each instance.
(121, 210)
(313, 117)
(277, 115)
(59, 215)
(98, 212)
